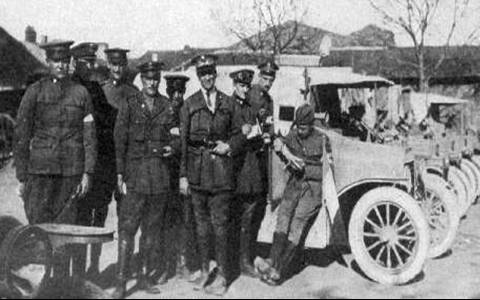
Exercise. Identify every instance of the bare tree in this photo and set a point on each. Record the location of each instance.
(261, 25)
(418, 18)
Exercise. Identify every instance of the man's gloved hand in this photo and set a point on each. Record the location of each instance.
(84, 186)
(221, 148)
(277, 145)
(246, 129)
(121, 186)
(267, 138)
(294, 161)
(184, 186)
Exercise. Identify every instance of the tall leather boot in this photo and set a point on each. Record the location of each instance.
(202, 280)
(277, 273)
(246, 265)
(219, 286)
(181, 257)
(144, 281)
(124, 255)
(276, 251)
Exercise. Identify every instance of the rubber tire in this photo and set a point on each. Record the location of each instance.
(441, 188)
(7, 247)
(470, 173)
(476, 160)
(459, 182)
(355, 230)
(476, 171)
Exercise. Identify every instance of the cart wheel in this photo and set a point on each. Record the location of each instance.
(26, 260)
(476, 172)
(440, 209)
(389, 235)
(459, 180)
(467, 170)
(476, 160)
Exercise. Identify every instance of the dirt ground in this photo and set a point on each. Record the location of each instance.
(456, 275)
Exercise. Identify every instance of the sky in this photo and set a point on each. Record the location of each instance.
(142, 25)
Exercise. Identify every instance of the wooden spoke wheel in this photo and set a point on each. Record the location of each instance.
(25, 261)
(389, 236)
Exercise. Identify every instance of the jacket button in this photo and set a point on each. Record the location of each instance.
(155, 150)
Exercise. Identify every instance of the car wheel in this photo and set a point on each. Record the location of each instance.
(441, 212)
(476, 172)
(389, 236)
(467, 169)
(25, 261)
(459, 182)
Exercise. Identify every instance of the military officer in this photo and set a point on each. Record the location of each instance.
(259, 93)
(180, 219)
(94, 210)
(176, 87)
(117, 88)
(143, 146)
(250, 168)
(304, 149)
(210, 129)
(55, 144)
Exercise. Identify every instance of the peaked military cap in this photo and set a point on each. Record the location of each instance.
(243, 76)
(268, 68)
(151, 69)
(305, 115)
(117, 56)
(176, 82)
(205, 61)
(85, 51)
(57, 50)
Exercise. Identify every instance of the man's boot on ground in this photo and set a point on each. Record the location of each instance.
(219, 286)
(201, 281)
(276, 274)
(246, 265)
(182, 270)
(276, 251)
(122, 268)
(144, 282)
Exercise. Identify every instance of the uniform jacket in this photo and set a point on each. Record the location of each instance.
(104, 115)
(199, 130)
(251, 164)
(260, 99)
(52, 136)
(310, 150)
(140, 136)
(118, 92)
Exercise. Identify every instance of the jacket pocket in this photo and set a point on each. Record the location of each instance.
(42, 158)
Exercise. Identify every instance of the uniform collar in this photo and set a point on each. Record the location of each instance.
(242, 101)
(158, 104)
(213, 98)
(116, 82)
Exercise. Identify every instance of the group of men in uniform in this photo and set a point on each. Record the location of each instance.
(200, 164)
